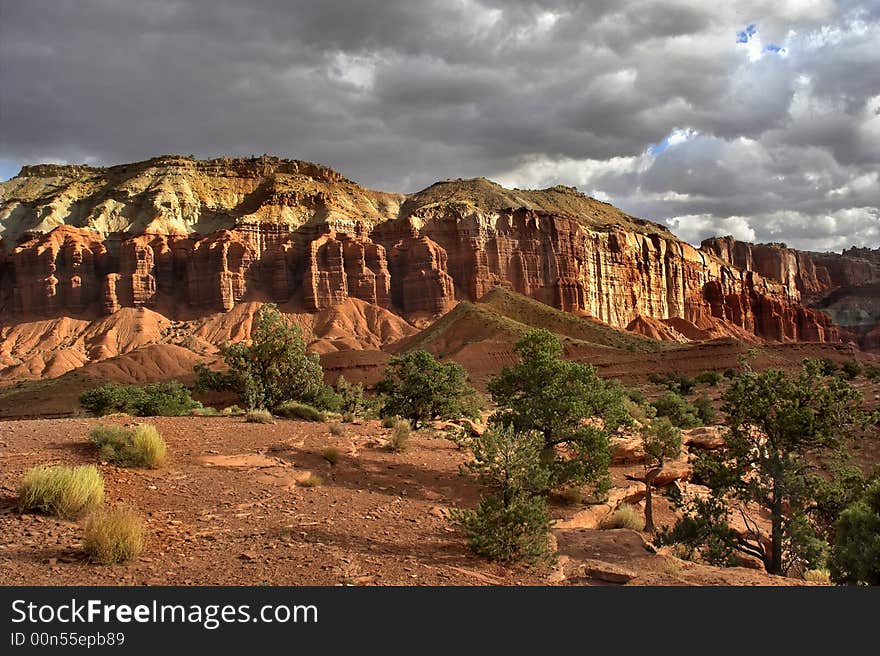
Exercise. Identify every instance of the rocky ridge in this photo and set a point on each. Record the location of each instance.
(186, 238)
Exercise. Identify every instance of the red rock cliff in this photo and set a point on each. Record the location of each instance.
(186, 236)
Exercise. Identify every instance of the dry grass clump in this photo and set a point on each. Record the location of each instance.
(337, 429)
(399, 440)
(231, 411)
(114, 535)
(331, 455)
(312, 481)
(259, 417)
(822, 576)
(297, 410)
(388, 422)
(141, 446)
(626, 516)
(66, 492)
(148, 446)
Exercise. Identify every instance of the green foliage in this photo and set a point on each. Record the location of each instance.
(711, 378)
(855, 555)
(851, 369)
(273, 368)
(872, 372)
(730, 373)
(388, 421)
(304, 411)
(661, 442)
(141, 446)
(560, 399)
(516, 530)
(351, 397)
(679, 410)
(171, 399)
(779, 425)
(827, 366)
(259, 417)
(705, 410)
(421, 389)
(66, 492)
(674, 382)
(511, 523)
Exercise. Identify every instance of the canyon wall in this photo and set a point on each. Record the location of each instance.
(844, 286)
(79, 240)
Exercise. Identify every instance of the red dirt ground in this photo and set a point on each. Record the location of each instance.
(379, 518)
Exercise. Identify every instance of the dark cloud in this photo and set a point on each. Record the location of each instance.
(652, 105)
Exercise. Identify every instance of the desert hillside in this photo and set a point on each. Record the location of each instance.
(97, 263)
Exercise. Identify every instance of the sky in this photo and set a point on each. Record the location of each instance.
(759, 119)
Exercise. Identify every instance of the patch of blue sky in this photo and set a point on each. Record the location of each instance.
(746, 35)
(8, 169)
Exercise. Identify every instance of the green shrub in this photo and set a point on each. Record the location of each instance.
(232, 411)
(141, 446)
(827, 366)
(730, 373)
(855, 555)
(272, 368)
(705, 409)
(872, 372)
(511, 522)
(851, 369)
(259, 417)
(515, 530)
(297, 410)
(399, 440)
(337, 429)
(710, 378)
(679, 410)
(634, 395)
(626, 516)
(389, 421)
(66, 492)
(171, 399)
(674, 382)
(347, 417)
(419, 388)
(331, 455)
(351, 397)
(114, 535)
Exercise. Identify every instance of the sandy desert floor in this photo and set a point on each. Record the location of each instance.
(227, 509)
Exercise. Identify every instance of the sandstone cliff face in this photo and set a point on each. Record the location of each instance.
(80, 240)
(845, 287)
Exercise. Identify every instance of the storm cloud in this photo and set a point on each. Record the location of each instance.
(760, 119)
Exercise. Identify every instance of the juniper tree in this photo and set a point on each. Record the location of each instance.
(419, 388)
(780, 425)
(511, 522)
(566, 403)
(272, 368)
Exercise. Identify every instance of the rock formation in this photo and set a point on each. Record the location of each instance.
(844, 286)
(182, 236)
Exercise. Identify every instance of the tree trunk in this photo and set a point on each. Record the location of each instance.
(649, 503)
(775, 564)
